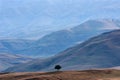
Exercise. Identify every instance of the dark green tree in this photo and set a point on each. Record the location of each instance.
(58, 67)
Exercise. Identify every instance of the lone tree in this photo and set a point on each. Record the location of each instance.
(58, 67)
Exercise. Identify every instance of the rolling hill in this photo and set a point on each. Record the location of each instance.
(64, 75)
(98, 52)
(9, 60)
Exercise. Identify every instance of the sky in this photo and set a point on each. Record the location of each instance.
(35, 18)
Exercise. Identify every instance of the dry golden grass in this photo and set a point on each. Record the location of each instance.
(64, 75)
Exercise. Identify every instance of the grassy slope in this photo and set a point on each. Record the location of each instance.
(66, 75)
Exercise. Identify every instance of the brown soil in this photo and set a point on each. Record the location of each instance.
(64, 75)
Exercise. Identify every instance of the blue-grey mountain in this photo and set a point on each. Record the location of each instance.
(98, 52)
(31, 19)
(58, 41)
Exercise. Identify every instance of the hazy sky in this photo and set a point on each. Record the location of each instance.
(28, 16)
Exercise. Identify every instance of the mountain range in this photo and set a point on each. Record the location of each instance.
(58, 41)
(101, 51)
(21, 20)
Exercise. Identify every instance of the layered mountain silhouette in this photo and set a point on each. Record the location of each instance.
(98, 52)
(9, 60)
(60, 40)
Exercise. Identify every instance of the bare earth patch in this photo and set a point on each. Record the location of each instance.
(64, 75)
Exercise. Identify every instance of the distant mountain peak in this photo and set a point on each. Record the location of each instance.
(100, 24)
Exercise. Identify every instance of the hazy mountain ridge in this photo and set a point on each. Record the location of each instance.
(98, 52)
(60, 40)
(20, 19)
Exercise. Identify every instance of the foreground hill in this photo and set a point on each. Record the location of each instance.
(64, 75)
(98, 52)
(9, 60)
